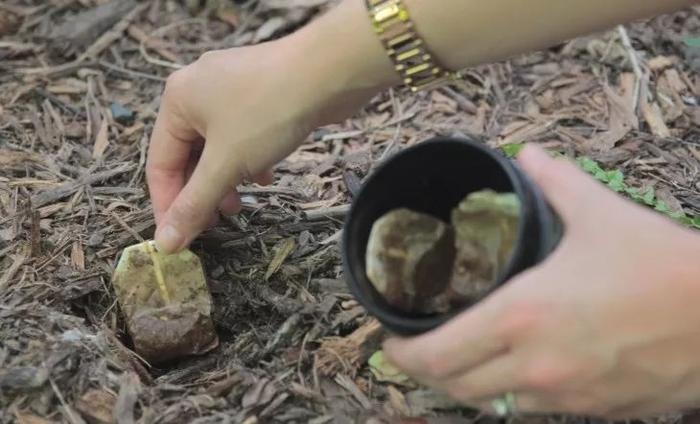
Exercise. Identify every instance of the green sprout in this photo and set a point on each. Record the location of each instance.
(615, 180)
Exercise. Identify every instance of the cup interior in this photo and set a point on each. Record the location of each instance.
(432, 177)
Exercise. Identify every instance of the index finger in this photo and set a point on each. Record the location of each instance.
(168, 156)
(462, 343)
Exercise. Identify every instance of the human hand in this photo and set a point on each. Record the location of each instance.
(229, 117)
(608, 325)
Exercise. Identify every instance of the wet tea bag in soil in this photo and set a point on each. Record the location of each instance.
(165, 301)
(421, 264)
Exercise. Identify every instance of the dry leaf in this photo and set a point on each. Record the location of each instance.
(97, 406)
(282, 250)
(621, 121)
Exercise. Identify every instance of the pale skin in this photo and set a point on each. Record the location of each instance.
(607, 325)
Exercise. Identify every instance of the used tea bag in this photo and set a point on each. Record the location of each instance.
(422, 265)
(486, 226)
(166, 303)
(409, 258)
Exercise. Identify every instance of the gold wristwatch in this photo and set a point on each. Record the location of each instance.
(417, 66)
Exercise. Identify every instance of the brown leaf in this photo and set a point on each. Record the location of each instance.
(621, 120)
(97, 406)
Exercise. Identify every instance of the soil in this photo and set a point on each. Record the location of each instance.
(76, 110)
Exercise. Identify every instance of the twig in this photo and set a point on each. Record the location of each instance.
(57, 71)
(130, 72)
(325, 213)
(45, 197)
(127, 228)
(143, 147)
(634, 61)
(113, 34)
(147, 41)
(19, 260)
(69, 412)
(58, 102)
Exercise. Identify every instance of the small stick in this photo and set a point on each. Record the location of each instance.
(326, 213)
(126, 227)
(634, 61)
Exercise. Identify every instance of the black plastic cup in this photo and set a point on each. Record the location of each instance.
(433, 177)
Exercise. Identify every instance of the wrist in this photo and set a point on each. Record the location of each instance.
(341, 54)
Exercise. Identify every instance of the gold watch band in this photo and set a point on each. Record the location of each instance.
(418, 67)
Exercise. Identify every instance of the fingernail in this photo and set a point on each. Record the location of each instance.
(169, 239)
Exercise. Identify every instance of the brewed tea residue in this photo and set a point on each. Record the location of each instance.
(423, 265)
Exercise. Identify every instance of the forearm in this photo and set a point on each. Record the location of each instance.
(461, 33)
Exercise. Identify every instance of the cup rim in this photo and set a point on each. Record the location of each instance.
(392, 318)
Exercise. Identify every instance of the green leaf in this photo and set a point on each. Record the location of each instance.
(615, 180)
(385, 371)
(682, 218)
(589, 165)
(696, 221)
(512, 150)
(661, 206)
(692, 42)
(649, 197)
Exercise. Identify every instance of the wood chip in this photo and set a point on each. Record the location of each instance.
(101, 140)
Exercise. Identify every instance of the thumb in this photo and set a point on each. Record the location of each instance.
(191, 211)
(565, 186)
